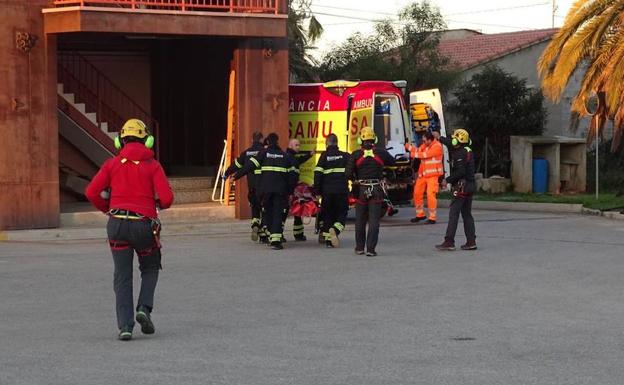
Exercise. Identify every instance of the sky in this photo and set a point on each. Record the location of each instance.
(342, 18)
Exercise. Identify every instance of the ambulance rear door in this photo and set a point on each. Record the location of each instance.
(433, 98)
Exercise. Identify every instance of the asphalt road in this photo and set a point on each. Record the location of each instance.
(540, 302)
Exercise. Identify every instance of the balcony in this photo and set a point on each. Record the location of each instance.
(234, 18)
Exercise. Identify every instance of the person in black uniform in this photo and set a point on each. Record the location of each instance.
(462, 181)
(278, 177)
(253, 195)
(365, 167)
(299, 157)
(331, 181)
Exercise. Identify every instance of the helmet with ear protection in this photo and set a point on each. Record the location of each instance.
(367, 133)
(135, 128)
(460, 136)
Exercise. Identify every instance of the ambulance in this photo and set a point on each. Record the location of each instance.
(344, 108)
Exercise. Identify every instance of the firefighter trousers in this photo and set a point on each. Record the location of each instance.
(125, 238)
(274, 206)
(368, 211)
(431, 186)
(334, 213)
(460, 205)
(256, 207)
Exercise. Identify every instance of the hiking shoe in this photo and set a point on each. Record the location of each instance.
(359, 252)
(329, 245)
(276, 245)
(417, 219)
(125, 334)
(371, 253)
(430, 222)
(254, 233)
(145, 320)
(446, 245)
(264, 239)
(470, 245)
(333, 237)
(300, 238)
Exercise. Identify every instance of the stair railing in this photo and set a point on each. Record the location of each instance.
(101, 95)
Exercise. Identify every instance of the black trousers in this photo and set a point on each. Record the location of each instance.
(368, 211)
(127, 237)
(460, 205)
(256, 206)
(334, 213)
(274, 206)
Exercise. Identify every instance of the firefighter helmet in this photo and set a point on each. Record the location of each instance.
(460, 136)
(135, 128)
(367, 133)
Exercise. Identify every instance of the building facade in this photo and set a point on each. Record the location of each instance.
(197, 72)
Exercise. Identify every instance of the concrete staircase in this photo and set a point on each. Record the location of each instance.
(192, 189)
(81, 107)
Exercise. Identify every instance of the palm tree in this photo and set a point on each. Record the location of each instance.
(301, 38)
(592, 36)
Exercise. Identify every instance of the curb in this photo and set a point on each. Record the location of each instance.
(572, 208)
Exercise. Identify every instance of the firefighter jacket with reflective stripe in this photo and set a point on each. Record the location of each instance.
(368, 163)
(430, 159)
(278, 171)
(462, 166)
(134, 178)
(242, 160)
(329, 174)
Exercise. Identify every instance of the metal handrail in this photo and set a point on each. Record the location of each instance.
(233, 6)
(101, 95)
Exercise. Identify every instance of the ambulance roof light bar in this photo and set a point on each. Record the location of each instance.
(338, 87)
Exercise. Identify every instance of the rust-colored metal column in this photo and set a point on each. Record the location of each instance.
(262, 98)
(29, 186)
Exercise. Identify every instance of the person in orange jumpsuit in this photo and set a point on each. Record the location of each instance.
(431, 168)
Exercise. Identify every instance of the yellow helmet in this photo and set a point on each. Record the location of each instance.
(461, 136)
(367, 133)
(134, 127)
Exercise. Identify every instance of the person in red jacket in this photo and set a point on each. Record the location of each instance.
(130, 181)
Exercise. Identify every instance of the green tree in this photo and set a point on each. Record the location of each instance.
(494, 104)
(406, 50)
(301, 39)
(591, 36)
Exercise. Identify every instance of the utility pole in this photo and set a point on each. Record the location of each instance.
(554, 10)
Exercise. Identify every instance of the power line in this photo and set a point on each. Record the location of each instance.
(448, 14)
(496, 9)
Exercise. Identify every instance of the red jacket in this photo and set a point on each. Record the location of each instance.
(134, 178)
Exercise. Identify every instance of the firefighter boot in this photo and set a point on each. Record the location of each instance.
(125, 333)
(469, 245)
(255, 230)
(333, 237)
(145, 320)
(277, 245)
(446, 245)
(300, 237)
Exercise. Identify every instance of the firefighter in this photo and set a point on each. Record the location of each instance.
(462, 181)
(253, 195)
(277, 181)
(299, 157)
(133, 178)
(365, 168)
(430, 170)
(331, 181)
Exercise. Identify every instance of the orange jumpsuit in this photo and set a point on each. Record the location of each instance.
(429, 171)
